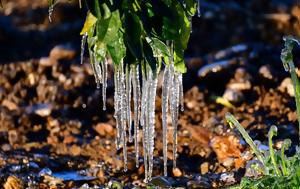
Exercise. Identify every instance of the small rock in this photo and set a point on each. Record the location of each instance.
(47, 62)
(266, 72)
(195, 184)
(104, 129)
(9, 104)
(13, 137)
(61, 52)
(6, 147)
(69, 139)
(160, 182)
(227, 147)
(204, 167)
(177, 172)
(227, 177)
(286, 86)
(75, 150)
(13, 182)
(45, 171)
(42, 110)
(233, 95)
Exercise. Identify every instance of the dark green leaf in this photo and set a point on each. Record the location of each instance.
(133, 34)
(149, 56)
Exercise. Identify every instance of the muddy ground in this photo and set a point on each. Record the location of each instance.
(54, 134)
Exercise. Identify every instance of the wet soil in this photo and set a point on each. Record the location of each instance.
(54, 134)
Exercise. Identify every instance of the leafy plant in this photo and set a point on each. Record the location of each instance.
(277, 170)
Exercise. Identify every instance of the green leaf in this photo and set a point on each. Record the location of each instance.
(117, 49)
(88, 24)
(94, 7)
(102, 27)
(133, 34)
(159, 48)
(106, 10)
(149, 56)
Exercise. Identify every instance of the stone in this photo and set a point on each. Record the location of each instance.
(61, 52)
(9, 104)
(13, 182)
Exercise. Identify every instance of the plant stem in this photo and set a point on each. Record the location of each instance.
(286, 144)
(231, 120)
(288, 64)
(272, 132)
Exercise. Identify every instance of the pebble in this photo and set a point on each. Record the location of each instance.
(13, 137)
(266, 72)
(42, 110)
(227, 177)
(286, 86)
(13, 182)
(177, 172)
(45, 171)
(62, 52)
(198, 184)
(160, 182)
(9, 104)
(204, 168)
(104, 129)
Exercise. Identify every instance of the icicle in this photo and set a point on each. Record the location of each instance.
(104, 85)
(199, 9)
(144, 123)
(136, 101)
(128, 94)
(50, 12)
(117, 115)
(93, 64)
(123, 109)
(83, 42)
(181, 96)
(151, 119)
(165, 104)
(98, 73)
(174, 106)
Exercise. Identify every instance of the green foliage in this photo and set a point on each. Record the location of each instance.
(279, 171)
(138, 31)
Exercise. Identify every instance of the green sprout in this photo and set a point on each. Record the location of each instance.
(278, 170)
(288, 64)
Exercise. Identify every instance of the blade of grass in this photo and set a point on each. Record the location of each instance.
(232, 121)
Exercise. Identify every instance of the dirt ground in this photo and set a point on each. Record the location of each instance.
(54, 134)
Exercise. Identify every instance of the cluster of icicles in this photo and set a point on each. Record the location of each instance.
(132, 84)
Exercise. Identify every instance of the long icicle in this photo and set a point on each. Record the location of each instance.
(143, 121)
(174, 113)
(136, 101)
(117, 108)
(123, 109)
(104, 84)
(151, 119)
(165, 105)
(128, 95)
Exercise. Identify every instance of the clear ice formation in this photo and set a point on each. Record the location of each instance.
(134, 106)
